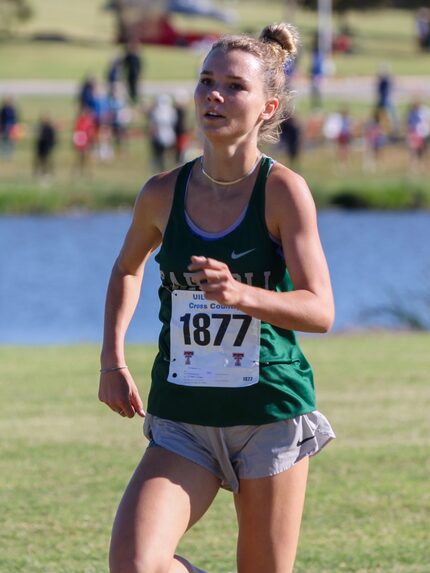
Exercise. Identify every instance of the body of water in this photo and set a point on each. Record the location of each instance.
(54, 273)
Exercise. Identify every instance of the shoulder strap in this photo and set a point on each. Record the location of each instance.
(258, 193)
(181, 186)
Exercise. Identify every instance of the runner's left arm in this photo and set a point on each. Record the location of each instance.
(291, 217)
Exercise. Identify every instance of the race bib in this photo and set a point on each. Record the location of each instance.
(212, 344)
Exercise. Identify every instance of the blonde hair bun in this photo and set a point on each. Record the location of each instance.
(284, 35)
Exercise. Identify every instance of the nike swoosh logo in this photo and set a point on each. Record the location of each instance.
(301, 442)
(235, 255)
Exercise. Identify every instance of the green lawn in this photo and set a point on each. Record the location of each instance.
(65, 460)
(379, 36)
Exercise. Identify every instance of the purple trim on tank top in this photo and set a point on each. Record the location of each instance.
(210, 236)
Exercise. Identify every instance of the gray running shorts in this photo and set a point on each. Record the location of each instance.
(235, 452)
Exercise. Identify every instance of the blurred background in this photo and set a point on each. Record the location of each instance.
(95, 97)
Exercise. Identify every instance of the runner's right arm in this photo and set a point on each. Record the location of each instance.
(117, 388)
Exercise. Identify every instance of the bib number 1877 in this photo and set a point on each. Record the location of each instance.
(199, 328)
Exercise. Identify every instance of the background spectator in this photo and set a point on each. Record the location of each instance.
(291, 138)
(375, 138)
(132, 71)
(84, 135)
(418, 131)
(384, 97)
(8, 127)
(162, 119)
(113, 74)
(86, 96)
(344, 137)
(316, 77)
(119, 115)
(422, 28)
(45, 142)
(181, 130)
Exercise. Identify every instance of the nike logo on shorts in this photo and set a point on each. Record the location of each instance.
(235, 255)
(301, 442)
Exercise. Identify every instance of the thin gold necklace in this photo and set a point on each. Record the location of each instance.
(225, 183)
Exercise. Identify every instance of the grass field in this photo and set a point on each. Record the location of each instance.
(378, 36)
(65, 460)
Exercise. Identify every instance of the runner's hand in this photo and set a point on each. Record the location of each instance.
(215, 280)
(118, 390)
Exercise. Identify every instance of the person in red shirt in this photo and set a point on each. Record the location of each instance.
(84, 134)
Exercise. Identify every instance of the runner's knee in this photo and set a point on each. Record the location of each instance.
(123, 561)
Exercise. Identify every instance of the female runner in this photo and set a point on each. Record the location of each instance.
(232, 399)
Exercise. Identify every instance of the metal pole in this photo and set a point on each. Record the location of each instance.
(290, 10)
(325, 28)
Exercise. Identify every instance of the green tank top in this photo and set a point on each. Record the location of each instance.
(285, 381)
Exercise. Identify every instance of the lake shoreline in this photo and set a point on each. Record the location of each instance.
(45, 199)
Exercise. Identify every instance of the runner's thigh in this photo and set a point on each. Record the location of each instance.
(166, 495)
(269, 512)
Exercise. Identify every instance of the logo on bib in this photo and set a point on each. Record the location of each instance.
(238, 358)
(235, 255)
(188, 355)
